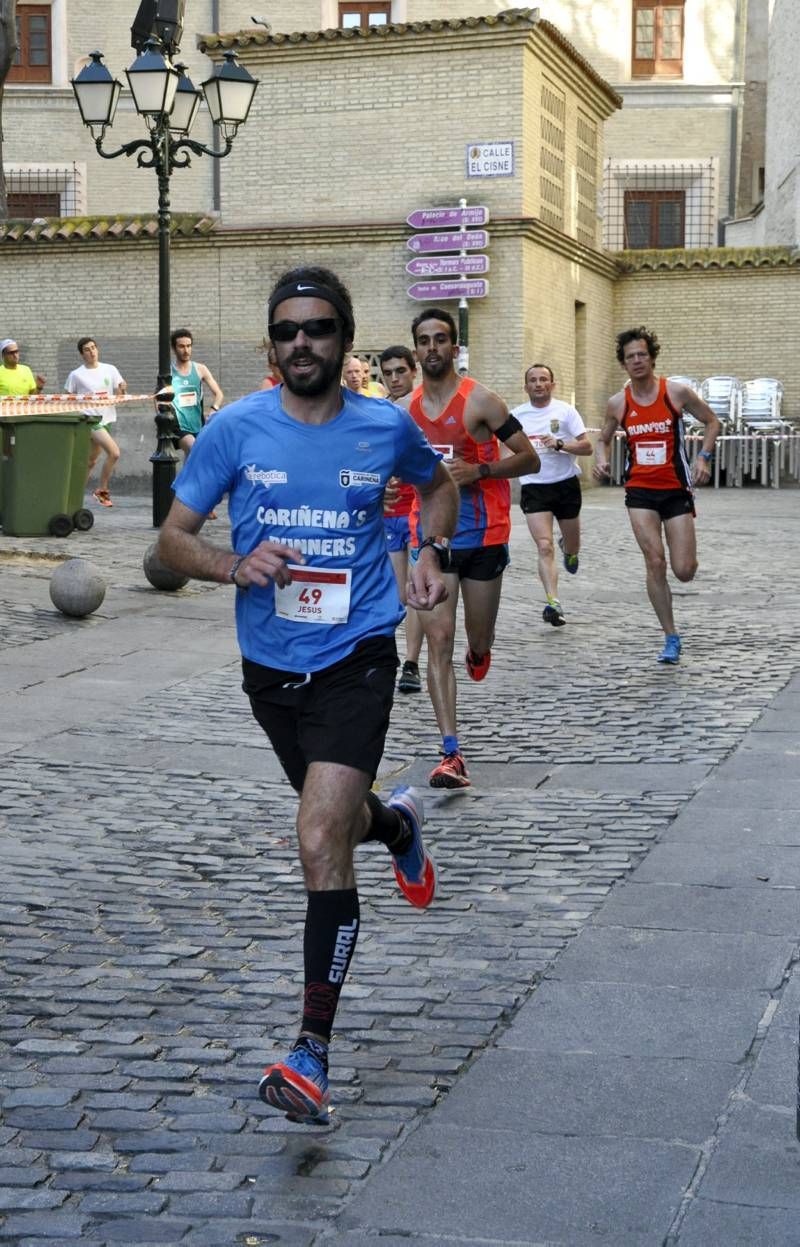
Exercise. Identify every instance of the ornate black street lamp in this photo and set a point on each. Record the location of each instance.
(165, 97)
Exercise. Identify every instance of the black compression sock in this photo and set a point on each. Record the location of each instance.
(332, 920)
(388, 826)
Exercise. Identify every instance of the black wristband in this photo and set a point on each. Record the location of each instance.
(442, 550)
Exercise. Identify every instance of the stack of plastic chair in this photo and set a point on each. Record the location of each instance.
(761, 404)
(723, 395)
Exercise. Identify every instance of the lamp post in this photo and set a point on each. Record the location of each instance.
(167, 100)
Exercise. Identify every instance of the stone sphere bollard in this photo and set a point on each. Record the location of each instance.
(77, 588)
(160, 576)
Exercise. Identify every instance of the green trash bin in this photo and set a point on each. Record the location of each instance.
(45, 460)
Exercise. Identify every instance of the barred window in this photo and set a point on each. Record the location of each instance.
(657, 38)
(672, 203)
(34, 60)
(45, 190)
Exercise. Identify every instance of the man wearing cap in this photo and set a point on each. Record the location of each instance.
(15, 378)
(305, 466)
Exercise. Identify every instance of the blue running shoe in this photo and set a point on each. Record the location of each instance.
(414, 870)
(671, 653)
(298, 1087)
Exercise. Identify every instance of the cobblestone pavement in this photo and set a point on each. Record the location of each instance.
(152, 909)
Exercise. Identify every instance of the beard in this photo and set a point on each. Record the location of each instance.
(436, 365)
(325, 376)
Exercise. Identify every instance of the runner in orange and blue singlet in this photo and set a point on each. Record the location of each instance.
(658, 479)
(399, 370)
(463, 420)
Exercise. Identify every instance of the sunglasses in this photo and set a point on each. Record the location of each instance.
(8, 351)
(287, 330)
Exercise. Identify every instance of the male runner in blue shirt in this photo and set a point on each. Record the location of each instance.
(305, 466)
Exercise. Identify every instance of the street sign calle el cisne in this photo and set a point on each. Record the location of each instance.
(458, 288)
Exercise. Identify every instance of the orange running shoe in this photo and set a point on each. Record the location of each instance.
(477, 665)
(103, 497)
(414, 870)
(451, 772)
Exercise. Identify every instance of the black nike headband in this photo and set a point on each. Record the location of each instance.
(312, 289)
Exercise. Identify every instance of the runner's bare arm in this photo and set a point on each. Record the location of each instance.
(576, 446)
(488, 413)
(216, 393)
(602, 470)
(683, 397)
(438, 517)
(181, 547)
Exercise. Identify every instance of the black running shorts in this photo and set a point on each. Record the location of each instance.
(668, 502)
(339, 714)
(562, 498)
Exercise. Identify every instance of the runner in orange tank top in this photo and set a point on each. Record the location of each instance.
(464, 420)
(658, 479)
(399, 370)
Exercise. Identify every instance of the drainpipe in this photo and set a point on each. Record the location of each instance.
(738, 69)
(216, 192)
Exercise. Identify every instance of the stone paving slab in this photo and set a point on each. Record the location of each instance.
(629, 777)
(775, 793)
(676, 958)
(756, 1161)
(548, 1187)
(737, 1225)
(736, 826)
(683, 907)
(771, 865)
(614, 1019)
(583, 1094)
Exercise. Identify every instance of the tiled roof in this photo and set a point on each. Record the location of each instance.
(255, 37)
(685, 259)
(99, 228)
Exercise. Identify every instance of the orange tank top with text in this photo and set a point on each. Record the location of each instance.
(484, 514)
(656, 451)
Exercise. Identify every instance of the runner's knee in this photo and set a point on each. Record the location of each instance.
(545, 547)
(685, 571)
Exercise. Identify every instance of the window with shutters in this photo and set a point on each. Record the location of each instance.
(354, 13)
(34, 59)
(657, 39)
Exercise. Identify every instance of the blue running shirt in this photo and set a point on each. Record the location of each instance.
(318, 488)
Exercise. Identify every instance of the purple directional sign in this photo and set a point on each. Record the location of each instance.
(448, 218)
(444, 265)
(457, 240)
(431, 291)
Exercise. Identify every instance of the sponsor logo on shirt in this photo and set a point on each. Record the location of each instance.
(264, 476)
(348, 477)
(654, 426)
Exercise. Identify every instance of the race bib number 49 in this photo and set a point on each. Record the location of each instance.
(315, 595)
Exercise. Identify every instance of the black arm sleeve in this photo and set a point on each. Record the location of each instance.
(507, 430)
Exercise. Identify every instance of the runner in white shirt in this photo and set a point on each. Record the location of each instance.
(557, 432)
(92, 377)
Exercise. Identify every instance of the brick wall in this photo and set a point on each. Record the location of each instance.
(712, 321)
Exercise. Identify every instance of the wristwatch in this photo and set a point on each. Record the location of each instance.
(443, 550)
(559, 444)
(705, 454)
(234, 569)
(483, 471)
